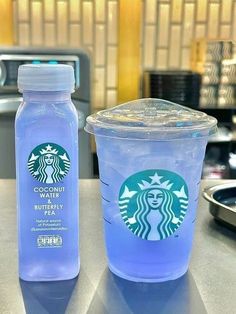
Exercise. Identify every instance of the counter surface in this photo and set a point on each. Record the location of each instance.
(208, 287)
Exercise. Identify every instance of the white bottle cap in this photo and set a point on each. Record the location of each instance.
(46, 77)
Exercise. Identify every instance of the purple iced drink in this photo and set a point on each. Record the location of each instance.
(150, 159)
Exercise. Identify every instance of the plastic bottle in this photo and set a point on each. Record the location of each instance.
(46, 131)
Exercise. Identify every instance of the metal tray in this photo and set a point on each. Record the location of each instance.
(222, 199)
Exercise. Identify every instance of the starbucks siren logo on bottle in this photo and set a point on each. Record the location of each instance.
(49, 163)
(153, 203)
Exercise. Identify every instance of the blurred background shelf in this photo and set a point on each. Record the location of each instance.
(220, 160)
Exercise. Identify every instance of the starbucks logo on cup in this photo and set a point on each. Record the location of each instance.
(153, 203)
(48, 163)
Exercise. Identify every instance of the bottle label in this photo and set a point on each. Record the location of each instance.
(153, 203)
(49, 163)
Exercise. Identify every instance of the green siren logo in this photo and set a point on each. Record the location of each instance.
(49, 163)
(153, 203)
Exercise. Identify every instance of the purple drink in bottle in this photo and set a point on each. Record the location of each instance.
(150, 154)
(46, 130)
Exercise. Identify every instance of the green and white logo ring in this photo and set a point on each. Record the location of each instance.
(48, 163)
(153, 203)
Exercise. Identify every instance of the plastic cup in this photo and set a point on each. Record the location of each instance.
(150, 154)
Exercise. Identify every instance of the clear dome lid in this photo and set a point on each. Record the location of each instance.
(151, 118)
